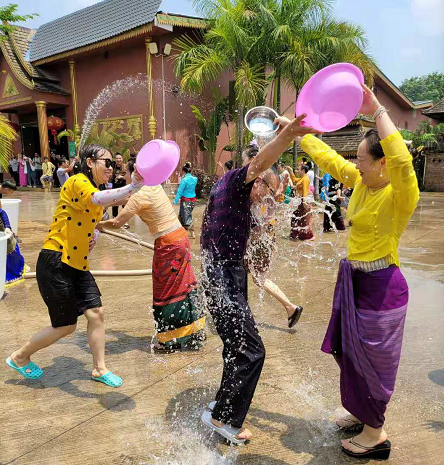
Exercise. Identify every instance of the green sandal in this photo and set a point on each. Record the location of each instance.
(110, 379)
(30, 371)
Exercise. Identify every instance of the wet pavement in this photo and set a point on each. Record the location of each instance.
(65, 418)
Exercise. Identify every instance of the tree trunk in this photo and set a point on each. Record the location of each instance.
(277, 94)
(240, 131)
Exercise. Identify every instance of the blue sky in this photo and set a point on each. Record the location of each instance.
(406, 37)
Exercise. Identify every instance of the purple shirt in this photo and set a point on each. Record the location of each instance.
(227, 221)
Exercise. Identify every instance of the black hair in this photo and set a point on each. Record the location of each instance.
(374, 147)
(187, 167)
(9, 184)
(118, 153)
(305, 168)
(89, 151)
(251, 151)
(130, 165)
(229, 165)
(133, 155)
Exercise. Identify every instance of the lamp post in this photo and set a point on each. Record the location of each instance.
(166, 52)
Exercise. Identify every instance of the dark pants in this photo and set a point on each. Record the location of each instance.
(15, 175)
(33, 177)
(38, 176)
(335, 218)
(116, 210)
(243, 353)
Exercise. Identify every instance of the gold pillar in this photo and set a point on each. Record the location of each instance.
(152, 123)
(43, 129)
(72, 73)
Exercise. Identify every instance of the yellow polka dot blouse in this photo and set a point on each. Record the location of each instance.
(75, 219)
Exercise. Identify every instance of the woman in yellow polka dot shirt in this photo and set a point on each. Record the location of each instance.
(65, 282)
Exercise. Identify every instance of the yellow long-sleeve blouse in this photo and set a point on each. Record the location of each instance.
(378, 218)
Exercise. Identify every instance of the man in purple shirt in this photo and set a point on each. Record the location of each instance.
(225, 231)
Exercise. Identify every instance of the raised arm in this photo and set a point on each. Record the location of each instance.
(330, 161)
(273, 150)
(112, 196)
(398, 159)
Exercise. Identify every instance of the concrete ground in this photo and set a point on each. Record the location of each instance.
(65, 418)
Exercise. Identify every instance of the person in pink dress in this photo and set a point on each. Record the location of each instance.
(23, 177)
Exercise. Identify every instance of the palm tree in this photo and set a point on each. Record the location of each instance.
(300, 37)
(264, 43)
(226, 46)
(7, 138)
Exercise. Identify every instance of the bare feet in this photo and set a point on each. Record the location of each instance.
(98, 372)
(370, 437)
(291, 309)
(244, 433)
(348, 421)
(20, 361)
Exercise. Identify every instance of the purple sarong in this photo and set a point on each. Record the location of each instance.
(365, 337)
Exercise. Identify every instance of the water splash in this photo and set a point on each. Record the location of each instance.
(118, 88)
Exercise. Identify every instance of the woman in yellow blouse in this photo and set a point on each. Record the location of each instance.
(300, 221)
(65, 282)
(369, 307)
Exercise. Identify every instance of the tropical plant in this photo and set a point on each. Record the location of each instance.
(7, 138)
(205, 182)
(210, 128)
(264, 43)
(8, 16)
(426, 135)
(299, 37)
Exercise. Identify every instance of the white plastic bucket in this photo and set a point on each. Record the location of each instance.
(12, 207)
(3, 252)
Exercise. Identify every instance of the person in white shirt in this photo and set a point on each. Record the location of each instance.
(311, 176)
(64, 170)
(14, 169)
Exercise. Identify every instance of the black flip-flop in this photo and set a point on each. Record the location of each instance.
(293, 319)
(379, 452)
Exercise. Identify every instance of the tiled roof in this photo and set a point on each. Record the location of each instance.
(21, 39)
(438, 108)
(344, 143)
(14, 49)
(93, 24)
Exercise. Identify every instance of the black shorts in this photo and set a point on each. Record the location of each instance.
(67, 292)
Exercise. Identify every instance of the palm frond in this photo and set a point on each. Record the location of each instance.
(7, 138)
(249, 84)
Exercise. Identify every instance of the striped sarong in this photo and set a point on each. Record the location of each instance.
(365, 337)
(176, 313)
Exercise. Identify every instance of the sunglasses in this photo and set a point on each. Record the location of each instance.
(108, 162)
